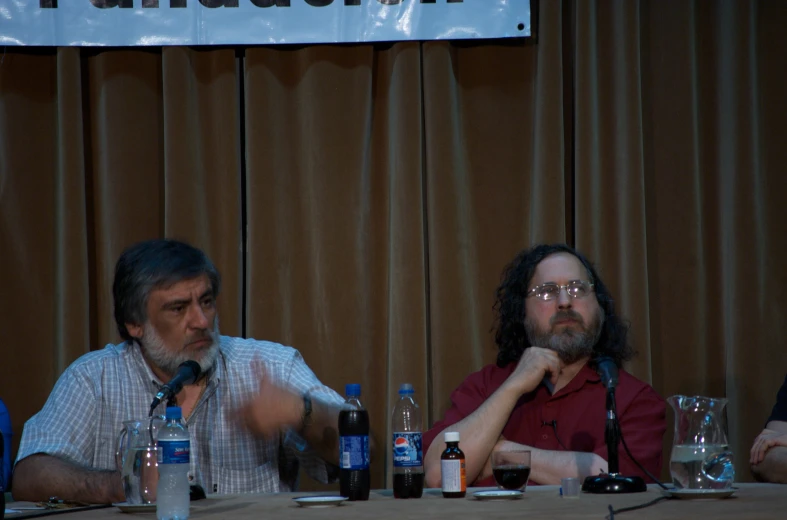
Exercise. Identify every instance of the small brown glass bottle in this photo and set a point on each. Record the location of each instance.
(452, 467)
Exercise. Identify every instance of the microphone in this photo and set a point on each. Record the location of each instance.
(608, 371)
(611, 482)
(188, 372)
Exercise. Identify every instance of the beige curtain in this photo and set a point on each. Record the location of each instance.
(362, 200)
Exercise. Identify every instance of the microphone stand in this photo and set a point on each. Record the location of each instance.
(613, 482)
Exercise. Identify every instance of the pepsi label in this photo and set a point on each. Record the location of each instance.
(354, 452)
(174, 452)
(407, 450)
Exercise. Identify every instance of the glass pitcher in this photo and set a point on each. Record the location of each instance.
(136, 457)
(701, 456)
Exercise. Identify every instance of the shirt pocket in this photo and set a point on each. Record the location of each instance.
(259, 479)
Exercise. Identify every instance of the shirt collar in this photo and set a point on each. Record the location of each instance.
(143, 369)
(585, 375)
(149, 378)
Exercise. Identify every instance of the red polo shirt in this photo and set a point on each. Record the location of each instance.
(579, 412)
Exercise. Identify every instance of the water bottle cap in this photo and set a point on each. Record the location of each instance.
(353, 390)
(406, 388)
(451, 436)
(174, 412)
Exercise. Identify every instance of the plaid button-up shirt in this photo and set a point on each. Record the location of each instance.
(84, 414)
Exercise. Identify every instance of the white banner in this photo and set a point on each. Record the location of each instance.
(249, 22)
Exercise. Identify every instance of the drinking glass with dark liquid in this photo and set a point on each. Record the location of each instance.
(511, 469)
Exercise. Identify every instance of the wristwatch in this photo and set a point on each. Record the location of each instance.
(306, 418)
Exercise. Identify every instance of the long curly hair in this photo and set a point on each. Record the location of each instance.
(510, 334)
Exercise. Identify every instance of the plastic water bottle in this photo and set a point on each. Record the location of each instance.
(172, 493)
(408, 459)
(354, 447)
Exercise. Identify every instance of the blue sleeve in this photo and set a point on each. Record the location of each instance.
(5, 447)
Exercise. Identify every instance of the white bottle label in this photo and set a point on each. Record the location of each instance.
(453, 475)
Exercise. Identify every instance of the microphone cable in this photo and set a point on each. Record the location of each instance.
(611, 515)
(553, 423)
(612, 511)
(628, 452)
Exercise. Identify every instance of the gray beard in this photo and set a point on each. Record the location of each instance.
(569, 344)
(167, 361)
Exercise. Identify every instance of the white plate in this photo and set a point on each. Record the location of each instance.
(500, 494)
(135, 508)
(320, 501)
(698, 493)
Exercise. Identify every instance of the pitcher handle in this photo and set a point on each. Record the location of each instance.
(120, 452)
(727, 473)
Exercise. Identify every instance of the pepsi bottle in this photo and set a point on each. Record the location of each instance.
(408, 460)
(354, 446)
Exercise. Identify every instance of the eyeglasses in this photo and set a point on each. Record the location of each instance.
(550, 291)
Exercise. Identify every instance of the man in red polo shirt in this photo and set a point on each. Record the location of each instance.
(554, 318)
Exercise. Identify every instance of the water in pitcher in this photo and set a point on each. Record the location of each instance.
(140, 475)
(701, 455)
(701, 466)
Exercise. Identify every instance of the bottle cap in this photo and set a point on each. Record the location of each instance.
(353, 390)
(451, 436)
(406, 388)
(174, 412)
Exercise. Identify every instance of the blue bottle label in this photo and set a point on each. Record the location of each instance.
(354, 452)
(407, 449)
(174, 452)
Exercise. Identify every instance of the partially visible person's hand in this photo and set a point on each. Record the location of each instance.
(273, 409)
(766, 440)
(535, 364)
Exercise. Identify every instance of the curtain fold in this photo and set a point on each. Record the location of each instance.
(71, 295)
(491, 187)
(201, 179)
(609, 169)
(715, 239)
(29, 207)
(124, 154)
(336, 258)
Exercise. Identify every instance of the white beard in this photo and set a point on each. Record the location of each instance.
(161, 356)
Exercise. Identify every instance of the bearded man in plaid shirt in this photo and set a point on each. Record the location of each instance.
(255, 416)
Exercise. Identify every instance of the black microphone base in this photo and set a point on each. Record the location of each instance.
(613, 483)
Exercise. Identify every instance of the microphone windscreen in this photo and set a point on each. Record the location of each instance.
(608, 371)
(195, 369)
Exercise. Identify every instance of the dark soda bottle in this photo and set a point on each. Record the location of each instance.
(354, 447)
(408, 461)
(452, 468)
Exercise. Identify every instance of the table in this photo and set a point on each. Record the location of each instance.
(750, 501)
